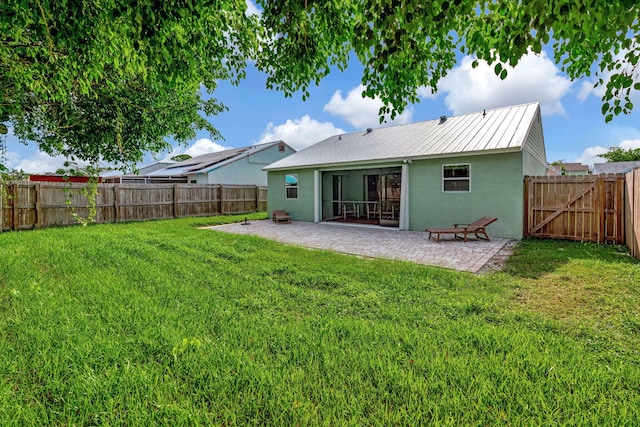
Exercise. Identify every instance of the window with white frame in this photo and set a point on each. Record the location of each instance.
(291, 186)
(456, 178)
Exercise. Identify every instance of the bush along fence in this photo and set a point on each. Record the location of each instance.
(590, 208)
(29, 205)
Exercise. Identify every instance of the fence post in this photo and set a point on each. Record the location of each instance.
(525, 220)
(601, 196)
(116, 202)
(2, 190)
(14, 200)
(175, 200)
(220, 197)
(38, 223)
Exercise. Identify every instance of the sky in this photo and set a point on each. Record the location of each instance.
(574, 128)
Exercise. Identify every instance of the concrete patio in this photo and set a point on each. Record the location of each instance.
(378, 242)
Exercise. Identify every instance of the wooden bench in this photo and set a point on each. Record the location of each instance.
(477, 227)
(279, 216)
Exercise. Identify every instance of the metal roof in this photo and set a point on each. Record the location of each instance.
(498, 130)
(615, 167)
(209, 161)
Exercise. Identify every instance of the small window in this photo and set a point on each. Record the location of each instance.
(291, 186)
(456, 178)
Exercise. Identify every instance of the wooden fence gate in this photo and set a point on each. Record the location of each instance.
(586, 208)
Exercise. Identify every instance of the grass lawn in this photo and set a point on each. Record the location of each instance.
(163, 323)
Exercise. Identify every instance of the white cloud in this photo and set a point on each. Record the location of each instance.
(361, 112)
(38, 163)
(535, 78)
(590, 155)
(587, 86)
(252, 9)
(629, 144)
(426, 93)
(299, 133)
(202, 146)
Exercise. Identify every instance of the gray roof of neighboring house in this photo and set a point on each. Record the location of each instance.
(615, 167)
(498, 130)
(575, 167)
(209, 161)
(143, 170)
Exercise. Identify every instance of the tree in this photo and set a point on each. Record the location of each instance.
(181, 157)
(406, 44)
(618, 154)
(110, 79)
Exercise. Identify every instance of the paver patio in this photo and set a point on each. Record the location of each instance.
(376, 242)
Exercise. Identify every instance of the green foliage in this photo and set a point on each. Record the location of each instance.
(163, 323)
(404, 45)
(618, 154)
(181, 157)
(110, 79)
(12, 175)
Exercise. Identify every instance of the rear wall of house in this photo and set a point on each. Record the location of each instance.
(496, 190)
(301, 208)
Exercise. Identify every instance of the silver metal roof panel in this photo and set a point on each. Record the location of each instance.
(502, 129)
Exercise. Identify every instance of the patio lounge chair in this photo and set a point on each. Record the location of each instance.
(477, 227)
(279, 216)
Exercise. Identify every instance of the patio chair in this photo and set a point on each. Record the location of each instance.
(388, 210)
(350, 209)
(373, 210)
(477, 227)
(279, 216)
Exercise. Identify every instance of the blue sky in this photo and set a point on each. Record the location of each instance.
(574, 129)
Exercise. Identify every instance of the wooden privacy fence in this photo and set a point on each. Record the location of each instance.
(28, 205)
(587, 208)
(632, 211)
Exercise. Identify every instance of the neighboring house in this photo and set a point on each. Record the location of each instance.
(60, 178)
(554, 170)
(116, 176)
(615, 167)
(575, 169)
(427, 174)
(235, 166)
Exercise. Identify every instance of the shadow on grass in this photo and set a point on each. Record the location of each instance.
(533, 258)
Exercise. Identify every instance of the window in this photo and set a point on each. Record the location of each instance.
(291, 186)
(456, 178)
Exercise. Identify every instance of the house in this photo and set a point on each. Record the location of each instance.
(427, 174)
(615, 167)
(575, 169)
(118, 177)
(61, 178)
(241, 166)
(554, 170)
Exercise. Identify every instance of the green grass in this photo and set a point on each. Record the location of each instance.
(163, 323)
